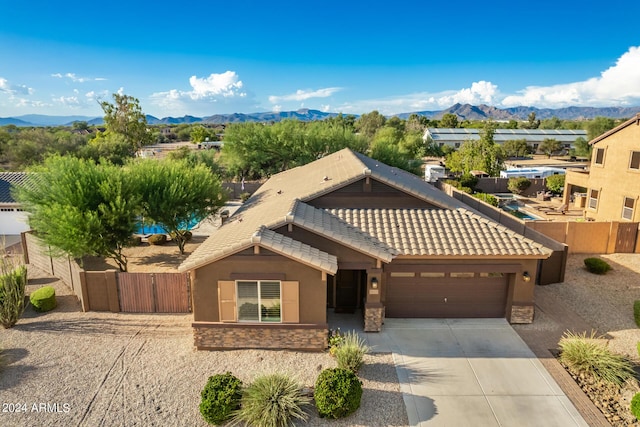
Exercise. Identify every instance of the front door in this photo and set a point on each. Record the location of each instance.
(348, 283)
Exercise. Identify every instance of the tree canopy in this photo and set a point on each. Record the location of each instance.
(82, 208)
(482, 154)
(125, 117)
(174, 193)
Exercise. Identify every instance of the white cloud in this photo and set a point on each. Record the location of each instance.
(276, 108)
(301, 95)
(617, 85)
(76, 79)
(69, 101)
(13, 90)
(225, 88)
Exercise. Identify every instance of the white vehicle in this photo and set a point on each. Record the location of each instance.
(540, 172)
(434, 172)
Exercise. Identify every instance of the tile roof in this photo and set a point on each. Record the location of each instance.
(281, 199)
(7, 180)
(440, 232)
(323, 223)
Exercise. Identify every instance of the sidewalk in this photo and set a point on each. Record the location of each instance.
(543, 341)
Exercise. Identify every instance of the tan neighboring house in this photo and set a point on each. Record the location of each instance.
(612, 183)
(351, 234)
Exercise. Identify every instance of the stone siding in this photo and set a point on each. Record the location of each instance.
(373, 317)
(522, 314)
(281, 337)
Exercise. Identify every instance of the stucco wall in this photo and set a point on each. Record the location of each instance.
(613, 178)
(204, 285)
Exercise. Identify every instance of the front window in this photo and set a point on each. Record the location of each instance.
(599, 156)
(593, 199)
(259, 301)
(634, 163)
(627, 208)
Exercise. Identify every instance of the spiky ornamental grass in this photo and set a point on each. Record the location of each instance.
(582, 354)
(271, 401)
(350, 352)
(13, 279)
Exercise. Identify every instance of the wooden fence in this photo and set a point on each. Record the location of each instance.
(112, 290)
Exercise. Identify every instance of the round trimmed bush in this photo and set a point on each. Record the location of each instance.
(220, 397)
(157, 239)
(337, 393)
(134, 241)
(635, 405)
(43, 299)
(597, 265)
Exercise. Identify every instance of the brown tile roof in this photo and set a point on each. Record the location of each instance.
(280, 201)
(440, 232)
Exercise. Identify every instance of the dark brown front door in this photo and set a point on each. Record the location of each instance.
(348, 283)
(446, 297)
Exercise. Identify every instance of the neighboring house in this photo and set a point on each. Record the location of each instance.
(13, 220)
(610, 190)
(349, 233)
(455, 137)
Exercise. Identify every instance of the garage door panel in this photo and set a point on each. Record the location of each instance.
(446, 297)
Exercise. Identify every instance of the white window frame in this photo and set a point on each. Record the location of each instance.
(593, 201)
(259, 292)
(631, 161)
(595, 156)
(628, 210)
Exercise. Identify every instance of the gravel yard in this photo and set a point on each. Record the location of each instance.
(68, 368)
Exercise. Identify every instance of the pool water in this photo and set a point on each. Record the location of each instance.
(513, 210)
(159, 228)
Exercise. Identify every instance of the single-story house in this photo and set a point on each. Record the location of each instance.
(349, 233)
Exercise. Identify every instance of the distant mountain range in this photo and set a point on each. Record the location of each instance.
(463, 111)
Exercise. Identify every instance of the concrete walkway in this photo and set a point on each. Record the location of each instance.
(471, 372)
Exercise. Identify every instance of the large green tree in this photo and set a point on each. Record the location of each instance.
(125, 117)
(550, 146)
(82, 208)
(515, 148)
(369, 123)
(175, 192)
(598, 126)
(449, 120)
(482, 154)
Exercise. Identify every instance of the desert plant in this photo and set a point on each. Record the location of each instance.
(134, 241)
(468, 180)
(350, 353)
(518, 185)
(271, 401)
(636, 312)
(555, 183)
(597, 265)
(220, 397)
(13, 280)
(157, 239)
(43, 299)
(336, 337)
(186, 235)
(337, 393)
(487, 198)
(582, 354)
(635, 406)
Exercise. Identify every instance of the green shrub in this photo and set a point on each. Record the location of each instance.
(186, 235)
(157, 239)
(271, 401)
(487, 198)
(468, 180)
(636, 312)
(12, 283)
(220, 397)
(555, 183)
(43, 299)
(583, 355)
(350, 353)
(518, 185)
(597, 265)
(336, 337)
(635, 406)
(337, 393)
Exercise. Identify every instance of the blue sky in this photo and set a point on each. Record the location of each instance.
(209, 57)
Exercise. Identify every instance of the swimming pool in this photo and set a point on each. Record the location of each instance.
(514, 210)
(143, 228)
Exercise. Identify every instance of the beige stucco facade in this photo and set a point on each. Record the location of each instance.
(613, 181)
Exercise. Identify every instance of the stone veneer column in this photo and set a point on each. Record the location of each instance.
(373, 317)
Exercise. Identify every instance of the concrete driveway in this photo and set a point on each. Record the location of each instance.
(471, 372)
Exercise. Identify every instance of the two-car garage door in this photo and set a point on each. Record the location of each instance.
(446, 295)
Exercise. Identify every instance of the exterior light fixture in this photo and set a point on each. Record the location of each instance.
(526, 277)
(374, 283)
